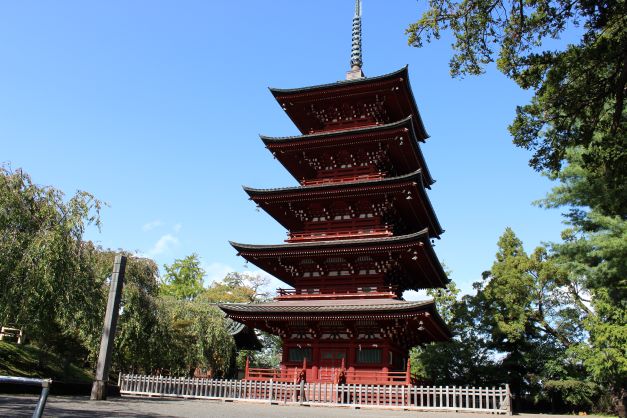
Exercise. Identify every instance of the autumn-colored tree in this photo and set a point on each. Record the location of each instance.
(238, 287)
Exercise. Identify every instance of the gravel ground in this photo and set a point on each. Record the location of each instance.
(82, 407)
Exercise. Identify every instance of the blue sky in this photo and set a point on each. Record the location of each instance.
(155, 107)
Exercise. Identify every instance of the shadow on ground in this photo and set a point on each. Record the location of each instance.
(62, 407)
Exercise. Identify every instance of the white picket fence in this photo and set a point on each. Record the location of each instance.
(441, 398)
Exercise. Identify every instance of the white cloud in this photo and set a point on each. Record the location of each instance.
(177, 228)
(152, 225)
(163, 244)
(216, 271)
(412, 295)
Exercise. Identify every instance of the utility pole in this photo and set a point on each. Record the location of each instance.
(99, 388)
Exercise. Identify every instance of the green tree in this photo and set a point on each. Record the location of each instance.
(594, 255)
(196, 336)
(46, 269)
(579, 98)
(535, 314)
(238, 287)
(594, 247)
(575, 125)
(525, 294)
(246, 288)
(466, 359)
(55, 286)
(184, 278)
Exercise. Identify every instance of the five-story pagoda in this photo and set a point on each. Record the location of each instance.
(359, 233)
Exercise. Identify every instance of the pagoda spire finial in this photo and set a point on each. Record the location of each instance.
(356, 57)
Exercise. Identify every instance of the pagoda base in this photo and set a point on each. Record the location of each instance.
(335, 375)
(363, 341)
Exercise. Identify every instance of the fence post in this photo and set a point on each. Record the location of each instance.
(41, 403)
(508, 400)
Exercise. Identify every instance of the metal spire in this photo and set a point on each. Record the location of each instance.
(356, 57)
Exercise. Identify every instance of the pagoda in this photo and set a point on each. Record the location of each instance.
(360, 230)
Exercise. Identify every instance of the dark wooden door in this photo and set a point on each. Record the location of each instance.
(332, 357)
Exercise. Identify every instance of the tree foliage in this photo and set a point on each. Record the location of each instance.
(184, 278)
(594, 255)
(193, 335)
(46, 270)
(579, 90)
(246, 288)
(55, 287)
(529, 323)
(571, 295)
(238, 287)
(525, 295)
(534, 316)
(466, 359)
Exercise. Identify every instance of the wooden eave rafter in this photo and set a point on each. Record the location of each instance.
(273, 200)
(344, 91)
(268, 257)
(400, 135)
(434, 328)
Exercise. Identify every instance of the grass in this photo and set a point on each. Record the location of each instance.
(31, 361)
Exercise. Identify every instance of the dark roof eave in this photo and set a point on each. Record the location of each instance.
(402, 73)
(415, 106)
(438, 318)
(303, 247)
(305, 308)
(344, 132)
(416, 175)
(407, 123)
(341, 83)
(422, 235)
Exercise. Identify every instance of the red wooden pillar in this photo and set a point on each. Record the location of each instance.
(315, 360)
(247, 368)
(408, 372)
(385, 359)
(285, 353)
(350, 357)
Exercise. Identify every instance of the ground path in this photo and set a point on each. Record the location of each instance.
(82, 407)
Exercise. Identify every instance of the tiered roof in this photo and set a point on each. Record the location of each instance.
(377, 121)
(398, 138)
(407, 190)
(412, 255)
(387, 98)
(420, 320)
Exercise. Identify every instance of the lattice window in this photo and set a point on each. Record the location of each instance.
(299, 354)
(365, 265)
(309, 268)
(337, 266)
(369, 355)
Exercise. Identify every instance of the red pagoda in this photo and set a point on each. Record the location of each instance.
(360, 227)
